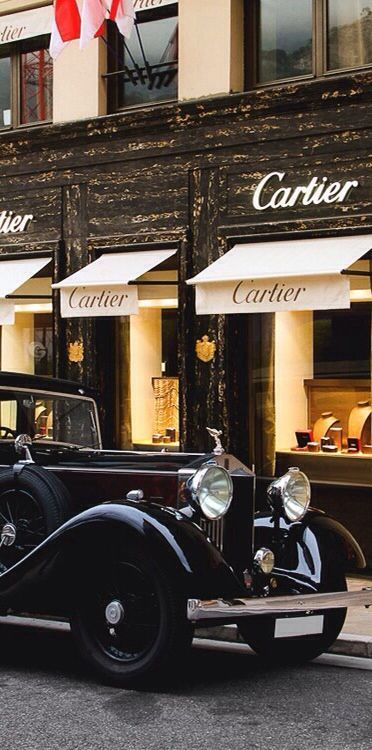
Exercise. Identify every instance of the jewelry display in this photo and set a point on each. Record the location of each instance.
(335, 433)
(323, 424)
(324, 441)
(313, 447)
(359, 424)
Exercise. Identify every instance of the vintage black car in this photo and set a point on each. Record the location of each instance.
(136, 548)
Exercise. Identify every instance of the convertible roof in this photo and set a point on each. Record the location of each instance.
(40, 382)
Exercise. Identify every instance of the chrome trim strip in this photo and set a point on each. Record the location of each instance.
(215, 609)
(109, 470)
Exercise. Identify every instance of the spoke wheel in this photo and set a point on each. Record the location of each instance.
(33, 503)
(131, 624)
(20, 511)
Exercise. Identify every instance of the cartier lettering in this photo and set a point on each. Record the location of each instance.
(11, 33)
(106, 299)
(10, 223)
(318, 190)
(149, 4)
(278, 292)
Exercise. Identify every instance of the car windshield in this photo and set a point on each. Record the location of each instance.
(57, 418)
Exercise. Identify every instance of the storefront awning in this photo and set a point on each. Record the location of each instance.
(14, 273)
(103, 287)
(277, 276)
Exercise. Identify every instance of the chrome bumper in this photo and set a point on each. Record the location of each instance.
(223, 609)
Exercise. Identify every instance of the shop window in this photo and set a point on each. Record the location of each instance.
(306, 39)
(144, 69)
(322, 372)
(27, 345)
(26, 83)
(147, 371)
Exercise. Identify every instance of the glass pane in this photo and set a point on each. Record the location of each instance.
(285, 39)
(5, 117)
(45, 416)
(150, 61)
(148, 392)
(349, 34)
(323, 390)
(36, 86)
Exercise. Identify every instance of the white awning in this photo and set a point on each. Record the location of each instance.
(276, 276)
(14, 273)
(102, 288)
(29, 23)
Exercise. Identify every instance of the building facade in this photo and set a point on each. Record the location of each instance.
(213, 128)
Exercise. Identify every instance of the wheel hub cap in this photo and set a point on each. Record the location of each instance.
(8, 534)
(114, 613)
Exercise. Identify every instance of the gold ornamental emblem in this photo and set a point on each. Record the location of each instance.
(205, 349)
(76, 351)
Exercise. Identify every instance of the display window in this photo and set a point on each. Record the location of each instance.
(322, 387)
(147, 357)
(27, 344)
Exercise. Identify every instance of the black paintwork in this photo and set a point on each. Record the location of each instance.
(51, 579)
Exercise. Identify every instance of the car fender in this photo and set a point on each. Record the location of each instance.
(303, 549)
(51, 575)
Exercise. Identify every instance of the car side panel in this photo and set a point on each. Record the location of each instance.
(51, 577)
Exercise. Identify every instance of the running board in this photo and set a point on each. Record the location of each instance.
(216, 609)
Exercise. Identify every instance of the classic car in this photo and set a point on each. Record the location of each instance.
(136, 548)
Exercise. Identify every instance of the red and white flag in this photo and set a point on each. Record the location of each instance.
(124, 15)
(66, 25)
(95, 12)
(69, 23)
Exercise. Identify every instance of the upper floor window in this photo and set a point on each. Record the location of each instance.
(144, 69)
(26, 82)
(307, 38)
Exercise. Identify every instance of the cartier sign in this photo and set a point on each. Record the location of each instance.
(29, 23)
(151, 4)
(272, 192)
(12, 223)
(99, 301)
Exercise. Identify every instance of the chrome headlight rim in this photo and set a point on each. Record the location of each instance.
(197, 484)
(293, 508)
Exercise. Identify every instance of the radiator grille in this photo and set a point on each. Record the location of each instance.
(215, 531)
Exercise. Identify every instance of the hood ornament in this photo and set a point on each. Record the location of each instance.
(218, 450)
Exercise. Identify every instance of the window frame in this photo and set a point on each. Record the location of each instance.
(14, 51)
(319, 51)
(115, 60)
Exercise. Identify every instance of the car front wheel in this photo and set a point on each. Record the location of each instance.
(270, 637)
(129, 622)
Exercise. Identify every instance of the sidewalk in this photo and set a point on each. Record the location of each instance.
(356, 636)
(354, 640)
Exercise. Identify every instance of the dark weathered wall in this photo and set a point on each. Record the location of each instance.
(185, 174)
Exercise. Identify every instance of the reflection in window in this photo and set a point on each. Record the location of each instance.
(349, 33)
(36, 86)
(285, 39)
(147, 63)
(5, 119)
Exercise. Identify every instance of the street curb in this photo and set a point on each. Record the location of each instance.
(347, 644)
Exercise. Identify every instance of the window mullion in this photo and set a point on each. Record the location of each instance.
(320, 37)
(15, 88)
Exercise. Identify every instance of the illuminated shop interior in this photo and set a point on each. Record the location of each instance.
(148, 343)
(323, 386)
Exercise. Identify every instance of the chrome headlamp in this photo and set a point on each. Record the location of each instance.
(212, 489)
(293, 491)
